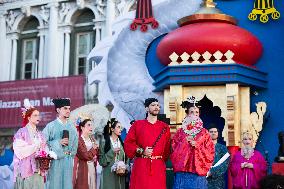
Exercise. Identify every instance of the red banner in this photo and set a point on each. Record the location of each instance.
(40, 92)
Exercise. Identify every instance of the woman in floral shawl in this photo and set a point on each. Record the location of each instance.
(192, 154)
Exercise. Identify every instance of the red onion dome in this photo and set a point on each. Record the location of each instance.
(212, 33)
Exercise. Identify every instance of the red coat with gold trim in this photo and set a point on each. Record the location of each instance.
(147, 173)
(186, 158)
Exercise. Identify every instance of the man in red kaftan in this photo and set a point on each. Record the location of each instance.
(148, 141)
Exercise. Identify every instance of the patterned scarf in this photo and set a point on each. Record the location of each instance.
(192, 125)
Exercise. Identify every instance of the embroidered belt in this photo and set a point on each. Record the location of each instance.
(152, 157)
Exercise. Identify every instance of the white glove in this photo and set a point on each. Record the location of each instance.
(52, 154)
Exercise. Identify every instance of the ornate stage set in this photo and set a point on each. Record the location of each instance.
(218, 66)
(211, 58)
(207, 55)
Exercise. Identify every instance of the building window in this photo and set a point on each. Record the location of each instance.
(29, 59)
(83, 48)
(28, 49)
(82, 41)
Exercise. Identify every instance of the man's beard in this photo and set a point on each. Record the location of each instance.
(153, 113)
(66, 116)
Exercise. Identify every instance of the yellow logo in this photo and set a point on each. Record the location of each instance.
(263, 8)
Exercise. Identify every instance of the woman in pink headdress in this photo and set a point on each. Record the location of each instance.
(248, 166)
(28, 142)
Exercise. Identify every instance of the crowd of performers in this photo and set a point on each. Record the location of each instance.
(198, 160)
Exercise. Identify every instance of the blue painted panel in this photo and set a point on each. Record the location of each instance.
(214, 74)
(271, 36)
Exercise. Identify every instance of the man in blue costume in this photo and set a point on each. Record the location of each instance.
(215, 176)
(62, 138)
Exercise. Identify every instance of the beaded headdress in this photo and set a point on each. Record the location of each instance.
(190, 102)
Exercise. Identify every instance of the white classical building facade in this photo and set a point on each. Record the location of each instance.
(52, 38)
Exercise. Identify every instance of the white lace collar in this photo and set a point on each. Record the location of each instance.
(116, 143)
(87, 141)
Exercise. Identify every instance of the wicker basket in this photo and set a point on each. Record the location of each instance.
(121, 171)
(43, 162)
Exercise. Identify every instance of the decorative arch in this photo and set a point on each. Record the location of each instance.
(39, 18)
(72, 12)
(94, 10)
(70, 15)
(20, 18)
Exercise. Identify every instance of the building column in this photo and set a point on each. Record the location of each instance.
(53, 42)
(110, 16)
(66, 52)
(98, 30)
(41, 54)
(13, 64)
(3, 47)
(98, 34)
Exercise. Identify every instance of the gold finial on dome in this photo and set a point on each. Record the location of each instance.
(207, 12)
(209, 3)
(208, 7)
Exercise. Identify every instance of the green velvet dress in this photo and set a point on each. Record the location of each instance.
(109, 179)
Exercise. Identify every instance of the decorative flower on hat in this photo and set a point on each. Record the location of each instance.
(78, 121)
(81, 117)
(27, 106)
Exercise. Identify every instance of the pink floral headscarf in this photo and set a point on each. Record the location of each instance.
(192, 125)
